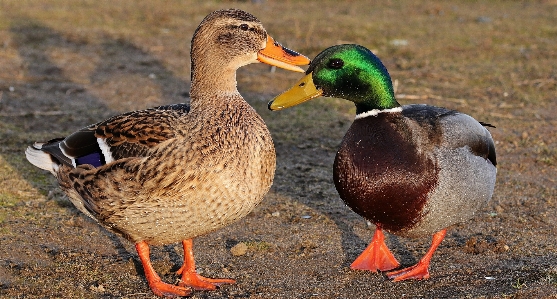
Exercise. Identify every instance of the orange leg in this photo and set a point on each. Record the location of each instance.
(190, 278)
(421, 269)
(157, 286)
(376, 256)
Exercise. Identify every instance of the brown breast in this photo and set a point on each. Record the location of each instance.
(379, 173)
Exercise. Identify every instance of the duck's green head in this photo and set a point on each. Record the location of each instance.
(351, 72)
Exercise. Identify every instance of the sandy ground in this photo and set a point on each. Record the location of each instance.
(67, 64)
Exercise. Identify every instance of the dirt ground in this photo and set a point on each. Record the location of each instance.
(66, 64)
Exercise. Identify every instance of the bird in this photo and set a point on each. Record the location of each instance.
(171, 173)
(411, 170)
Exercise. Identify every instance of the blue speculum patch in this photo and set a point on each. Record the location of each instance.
(95, 159)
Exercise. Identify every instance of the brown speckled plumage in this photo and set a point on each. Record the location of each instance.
(212, 170)
(171, 173)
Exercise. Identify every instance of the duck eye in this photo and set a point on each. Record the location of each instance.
(336, 63)
(244, 27)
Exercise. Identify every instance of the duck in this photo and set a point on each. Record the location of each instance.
(412, 170)
(175, 172)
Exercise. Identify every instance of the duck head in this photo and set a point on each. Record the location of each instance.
(350, 72)
(234, 38)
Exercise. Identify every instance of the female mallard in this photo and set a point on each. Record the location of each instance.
(175, 172)
(412, 170)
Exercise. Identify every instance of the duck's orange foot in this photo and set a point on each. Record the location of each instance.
(418, 271)
(376, 256)
(375, 259)
(198, 282)
(421, 269)
(158, 287)
(190, 278)
(162, 289)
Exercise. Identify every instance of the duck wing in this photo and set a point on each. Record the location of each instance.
(126, 135)
(452, 129)
(98, 164)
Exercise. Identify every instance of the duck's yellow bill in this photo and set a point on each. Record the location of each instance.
(303, 91)
(277, 55)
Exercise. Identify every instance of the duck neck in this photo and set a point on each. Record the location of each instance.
(210, 78)
(377, 101)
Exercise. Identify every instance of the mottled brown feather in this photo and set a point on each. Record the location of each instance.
(182, 171)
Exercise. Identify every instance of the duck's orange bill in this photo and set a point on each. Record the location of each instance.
(303, 91)
(277, 55)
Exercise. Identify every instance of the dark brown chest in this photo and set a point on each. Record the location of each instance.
(381, 175)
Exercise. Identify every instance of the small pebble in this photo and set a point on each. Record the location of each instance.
(239, 249)
(275, 214)
(97, 289)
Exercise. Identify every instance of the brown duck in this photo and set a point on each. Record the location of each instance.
(172, 173)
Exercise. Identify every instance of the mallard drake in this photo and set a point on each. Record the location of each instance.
(175, 172)
(412, 170)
